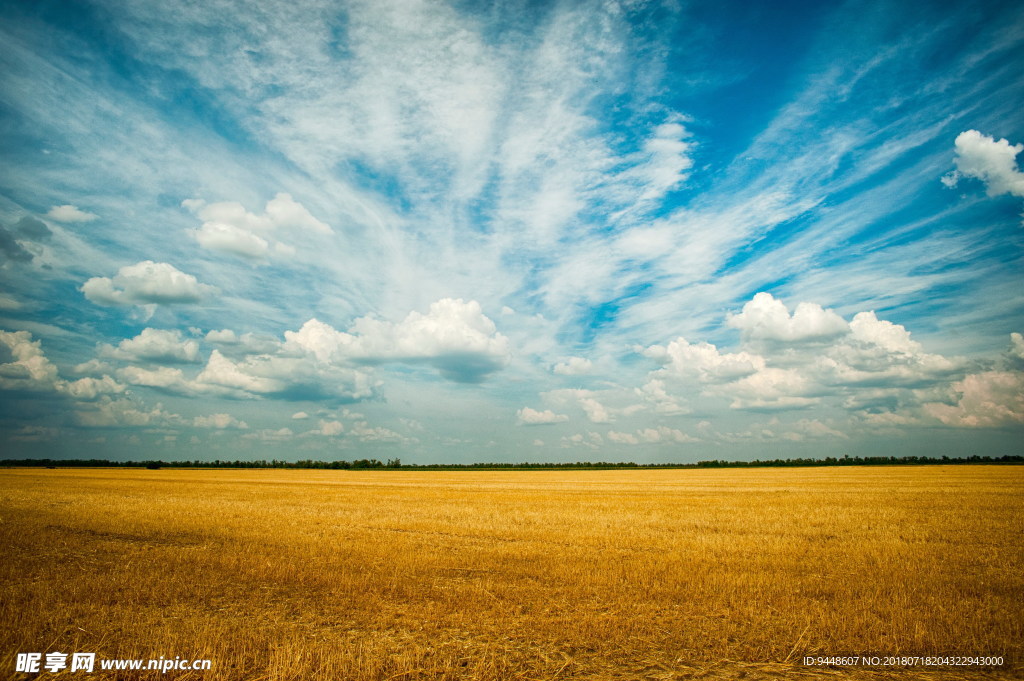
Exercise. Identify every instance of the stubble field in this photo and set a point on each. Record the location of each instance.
(398, 575)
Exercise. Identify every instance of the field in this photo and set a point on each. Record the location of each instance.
(400, 575)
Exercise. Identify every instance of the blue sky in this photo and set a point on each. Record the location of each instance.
(511, 231)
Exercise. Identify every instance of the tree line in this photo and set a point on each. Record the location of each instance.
(396, 464)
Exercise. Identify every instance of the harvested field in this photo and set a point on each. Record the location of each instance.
(388, 575)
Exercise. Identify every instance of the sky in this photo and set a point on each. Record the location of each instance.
(454, 232)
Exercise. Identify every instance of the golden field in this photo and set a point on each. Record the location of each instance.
(494, 575)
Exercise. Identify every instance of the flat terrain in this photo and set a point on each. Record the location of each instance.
(389, 575)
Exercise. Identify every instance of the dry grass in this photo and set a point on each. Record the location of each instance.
(395, 575)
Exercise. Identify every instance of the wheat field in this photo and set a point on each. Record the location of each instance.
(494, 575)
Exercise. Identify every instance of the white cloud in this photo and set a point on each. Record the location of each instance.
(985, 400)
(90, 388)
(229, 228)
(655, 393)
(993, 162)
(232, 343)
(532, 417)
(622, 438)
(287, 377)
(218, 236)
(367, 433)
(703, 361)
(68, 213)
(147, 283)
(220, 370)
(590, 440)
(329, 428)
(454, 337)
(114, 413)
(29, 368)
(155, 345)
(300, 415)
(765, 318)
(168, 379)
(219, 421)
(1016, 346)
(284, 212)
(663, 434)
(270, 436)
(574, 366)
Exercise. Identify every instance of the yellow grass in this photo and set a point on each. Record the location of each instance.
(398, 575)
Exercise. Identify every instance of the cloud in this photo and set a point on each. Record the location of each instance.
(703, 361)
(329, 428)
(217, 236)
(270, 436)
(147, 283)
(868, 363)
(248, 343)
(219, 421)
(454, 337)
(367, 433)
(765, 318)
(654, 392)
(229, 228)
(574, 366)
(622, 438)
(31, 228)
(69, 213)
(993, 162)
(300, 415)
(11, 249)
(155, 345)
(986, 400)
(90, 388)
(287, 377)
(166, 378)
(7, 303)
(27, 367)
(532, 417)
(120, 413)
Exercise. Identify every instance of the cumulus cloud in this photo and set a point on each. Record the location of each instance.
(574, 366)
(90, 388)
(229, 228)
(993, 162)
(217, 236)
(247, 343)
(329, 428)
(703, 361)
(219, 421)
(766, 318)
(287, 377)
(657, 435)
(271, 436)
(69, 213)
(454, 337)
(114, 413)
(167, 378)
(984, 400)
(655, 393)
(147, 283)
(18, 243)
(155, 345)
(532, 417)
(27, 367)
